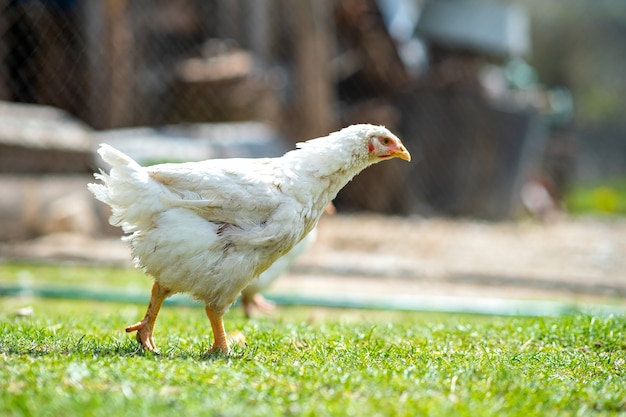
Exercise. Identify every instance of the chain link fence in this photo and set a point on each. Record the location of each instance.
(301, 68)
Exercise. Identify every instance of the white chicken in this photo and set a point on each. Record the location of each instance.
(209, 228)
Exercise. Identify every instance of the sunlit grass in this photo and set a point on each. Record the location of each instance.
(72, 275)
(72, 357)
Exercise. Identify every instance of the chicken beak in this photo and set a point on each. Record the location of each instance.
(401, 153)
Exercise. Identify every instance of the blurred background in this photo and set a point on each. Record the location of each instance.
(512, 110)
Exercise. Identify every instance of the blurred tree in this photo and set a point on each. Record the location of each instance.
(581, 47)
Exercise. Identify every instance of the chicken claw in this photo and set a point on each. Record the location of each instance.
(145, 327)
(144, 336)
(257, 301)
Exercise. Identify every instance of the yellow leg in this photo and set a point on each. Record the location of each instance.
(145, 327)
(219, 335)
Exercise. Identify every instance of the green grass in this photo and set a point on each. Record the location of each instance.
(73, 358)
(73, 275)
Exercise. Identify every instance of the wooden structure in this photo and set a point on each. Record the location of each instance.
(306, 67)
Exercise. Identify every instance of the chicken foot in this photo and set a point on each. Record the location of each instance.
(220, 343)
(145, 327)
(256, 301)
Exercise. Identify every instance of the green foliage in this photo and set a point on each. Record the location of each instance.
(609, 198)
(72, 358)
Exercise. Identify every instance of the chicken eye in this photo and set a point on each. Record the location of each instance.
(384, 140)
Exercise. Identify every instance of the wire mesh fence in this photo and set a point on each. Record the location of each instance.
(304, 68)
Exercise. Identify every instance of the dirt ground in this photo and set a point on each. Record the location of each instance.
(582, 260)
(579, 259)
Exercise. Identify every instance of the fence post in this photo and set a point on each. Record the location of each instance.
(313, 46)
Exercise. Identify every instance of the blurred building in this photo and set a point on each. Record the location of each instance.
(442, 74)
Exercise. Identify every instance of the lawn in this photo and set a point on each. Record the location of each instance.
(73, 358)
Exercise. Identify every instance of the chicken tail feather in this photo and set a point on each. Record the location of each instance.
(128, 189)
